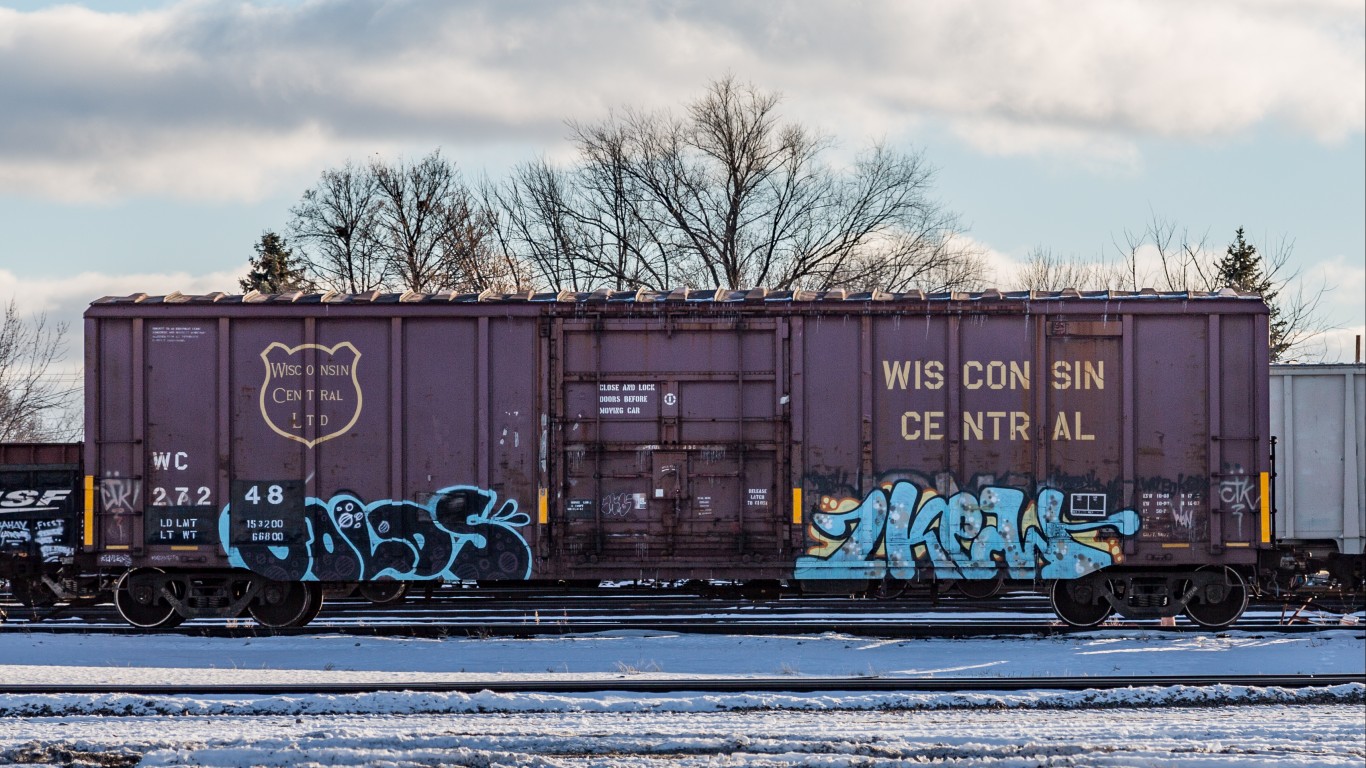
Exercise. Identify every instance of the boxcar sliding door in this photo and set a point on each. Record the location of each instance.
(669, 443)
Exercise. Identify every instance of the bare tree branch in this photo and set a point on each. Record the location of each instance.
(1187, 263)
(728, 195)
(35, 405)
(334, 225)
(1046, 271)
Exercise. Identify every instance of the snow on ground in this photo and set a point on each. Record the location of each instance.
(1225, 725)
(1278, 736)
(39, 657)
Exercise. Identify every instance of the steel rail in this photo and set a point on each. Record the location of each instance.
(872, 627)
(478, 615)
(700, 685)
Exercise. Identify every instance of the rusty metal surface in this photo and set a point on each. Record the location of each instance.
(725, 434)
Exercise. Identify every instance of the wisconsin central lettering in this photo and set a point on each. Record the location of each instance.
(297, 369)
(285, 395)
(321, 392)
(977, 425)
(988, 375)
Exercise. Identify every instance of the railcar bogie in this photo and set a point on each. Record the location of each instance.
(1212, 596)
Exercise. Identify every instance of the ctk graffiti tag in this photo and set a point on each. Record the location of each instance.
(311, 393)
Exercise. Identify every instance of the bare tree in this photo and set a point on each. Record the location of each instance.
(35, 405)
(1045, 270)
(431, 230)
(533, 217)
(334, 226)
(1177, 259)
(730, 196)
(1169, 257)
(399, 226)
(472, 261)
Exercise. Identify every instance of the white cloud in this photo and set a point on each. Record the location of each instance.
(64, 299)
(1094, 149)
(223, 164)
(219, 100)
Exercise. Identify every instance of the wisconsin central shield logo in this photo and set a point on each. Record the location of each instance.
(311, 393)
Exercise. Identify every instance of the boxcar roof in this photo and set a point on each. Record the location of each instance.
(653, 297)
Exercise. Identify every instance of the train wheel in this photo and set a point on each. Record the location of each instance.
(383, 592)
(888, 589)
(1080, 602)
(286, 604)
(979, 589)
(1219, 601)
(140, 601)
(316, 605)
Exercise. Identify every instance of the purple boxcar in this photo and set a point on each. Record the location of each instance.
(247, 450)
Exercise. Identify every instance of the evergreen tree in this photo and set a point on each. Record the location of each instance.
(274, 270)
(1241, 269)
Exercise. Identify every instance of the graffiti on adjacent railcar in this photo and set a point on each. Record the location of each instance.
(459, 533)
(910, 529)
(38, 521)
(51, 540)
(1240, 494)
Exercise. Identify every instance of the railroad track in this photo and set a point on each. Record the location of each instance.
(700, 685)
(869, 627)
(475, 613)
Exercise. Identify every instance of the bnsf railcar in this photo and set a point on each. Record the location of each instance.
(40, 501)
(245, 452)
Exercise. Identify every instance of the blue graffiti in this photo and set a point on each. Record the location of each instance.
(460, 533)
(907, 531)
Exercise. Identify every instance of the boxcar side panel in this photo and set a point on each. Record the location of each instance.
(265, 525)
(181, 441)
(440, 385)
(1171, 435)
(1240, 440)
(991, 432)
(910, 393)
(116, 440)
(842, 533)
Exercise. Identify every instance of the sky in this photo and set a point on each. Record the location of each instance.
(145, 146)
